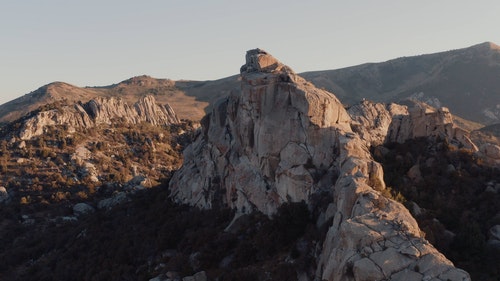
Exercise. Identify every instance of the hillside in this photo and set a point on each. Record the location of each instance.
(191, 99)
(464, 80)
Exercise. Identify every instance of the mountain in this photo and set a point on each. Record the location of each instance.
(279, 181)
(189, 98)
(283, 141)
(464, 80)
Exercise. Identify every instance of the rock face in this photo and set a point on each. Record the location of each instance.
(274, 142)
(81, 209)
(99, 111)
(378, 123)
(282, 140)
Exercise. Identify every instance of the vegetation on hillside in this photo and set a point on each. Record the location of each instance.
(150, 236)
(63, 166)
(458, 208)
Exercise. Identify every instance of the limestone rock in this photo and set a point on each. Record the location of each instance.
(98, 111)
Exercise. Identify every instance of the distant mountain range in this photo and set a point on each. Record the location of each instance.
(467, 81)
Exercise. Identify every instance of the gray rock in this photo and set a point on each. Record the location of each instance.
(450, 169)
(200, 276)
(366, 270)
(406, 275)
(494, 232)
(118, 198)
(391, 261)
(81, 209)
(415, 209)
(139, 182)
(455, 275)
(376, 123)
(69, 219)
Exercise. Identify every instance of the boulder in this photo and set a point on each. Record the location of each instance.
(200, 276)
(81, 209)
(490, 150)
(414, 173)
(4, 195)
(116, 199)
(494, 232)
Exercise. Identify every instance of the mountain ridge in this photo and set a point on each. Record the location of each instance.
(464, 80)
(440, 79)
(282, 140)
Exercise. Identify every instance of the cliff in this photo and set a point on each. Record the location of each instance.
(98, 111)
(280, 140)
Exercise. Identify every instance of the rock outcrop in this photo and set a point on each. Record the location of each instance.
(274, 142)
(283, 140)
(378, 123)
(98, 111)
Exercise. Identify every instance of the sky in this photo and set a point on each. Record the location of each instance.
(98, 43)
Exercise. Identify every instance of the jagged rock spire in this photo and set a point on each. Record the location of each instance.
(258, 60)
(283, 140)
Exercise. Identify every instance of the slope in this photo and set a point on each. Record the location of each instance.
(189, 98)
(464, 80)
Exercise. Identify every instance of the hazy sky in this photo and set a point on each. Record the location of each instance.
(93, 43)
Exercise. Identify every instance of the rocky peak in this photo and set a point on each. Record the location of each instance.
(98, 111)
(277, 137)
(283, 140)
(258, 60)
(378, 123)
